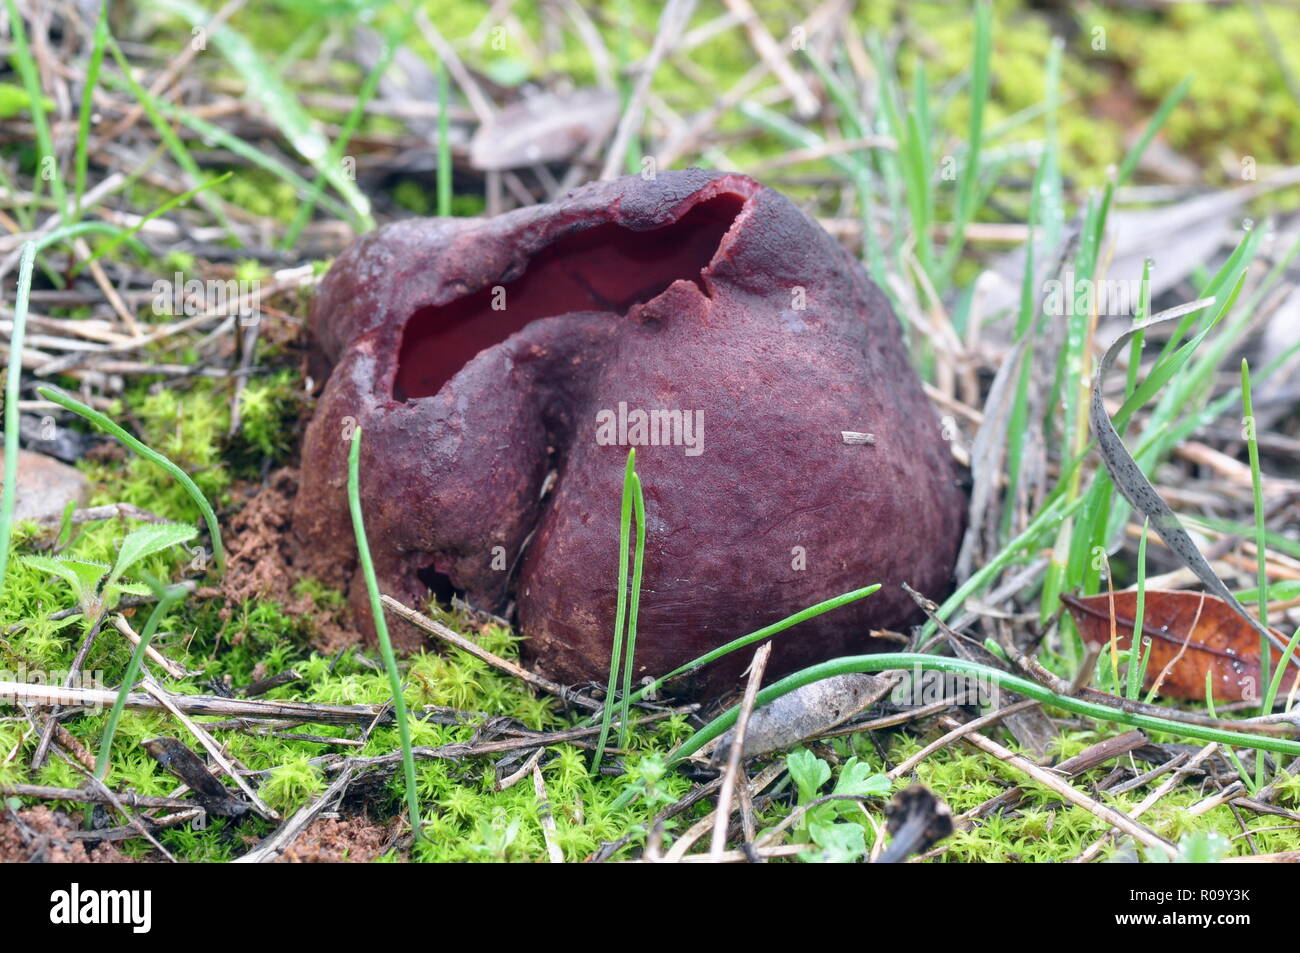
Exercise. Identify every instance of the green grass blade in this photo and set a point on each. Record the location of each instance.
(165, 132)
(381, 630)
(1261, 550)
(167, 598)
(444, 144)
(1135, 665)
(211, 132)
(99, 42)
(366, 93)
(282, 107)
(894, 661)
(758, 635)
(638, 512)
(1130, 163)
(968, 192)
(1283, 589)
(12, 381)
(1275, 684)
(31, 77)
(107, 425)
(620, 611)
(128, 233)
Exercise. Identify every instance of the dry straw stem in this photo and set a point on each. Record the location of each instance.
(46, 696)
(211, 747)
(434, 627)
(701, 827)
(553, 851)
(166, 664)
(723, 814)
(524, 770)
(47, 792)
(275, 845)
(1049, 779)
(992, 718)
(1093, 849)
(671, 24)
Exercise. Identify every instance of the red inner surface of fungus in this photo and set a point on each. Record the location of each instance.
(605, 268)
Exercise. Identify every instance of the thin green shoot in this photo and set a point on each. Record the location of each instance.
(736, 644)
(335, 157)
(1224, 288)
(271, 92)
(623, 52)
(106, 424)
(855, 126)
(893, 661)
(1044, 216)
(638, 512)
(168, 135)
(1275, 684)
(1216, 409)
(1164, 369)
(758, 635)
(968, 193)
(12, 380)
(620, 611)
(65, 526)
(1285, 589)
(1139, 339)
(218, 136)
(99, 42)
(1048, 517)
(48, 166)
(1136, 661)
(1254, 785)
(167, 597)
(444, 144)
(381, 630)
(1130, 163)
(1261, 545)
(128, 233)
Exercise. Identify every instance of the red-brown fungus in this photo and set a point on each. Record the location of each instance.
(502, 367)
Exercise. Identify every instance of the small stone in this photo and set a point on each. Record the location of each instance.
(45, 485)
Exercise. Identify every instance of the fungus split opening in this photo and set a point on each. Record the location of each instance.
(606, 268)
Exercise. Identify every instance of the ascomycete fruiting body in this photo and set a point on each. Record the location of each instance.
(501, 368)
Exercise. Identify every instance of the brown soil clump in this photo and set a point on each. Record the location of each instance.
(40, 835)
(355, 840)
(260, 563)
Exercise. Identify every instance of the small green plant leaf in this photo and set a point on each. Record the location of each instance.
(809, 772)
(112, 592)
(142, 543)
(14, 101)
(856, 778)
(840, 843)
(82, 575)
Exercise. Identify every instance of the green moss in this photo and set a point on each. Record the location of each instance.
(1239, 105)
(268, 407)
(260, 193)
(291, 784)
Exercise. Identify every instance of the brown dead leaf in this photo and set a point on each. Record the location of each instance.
(1222, 642)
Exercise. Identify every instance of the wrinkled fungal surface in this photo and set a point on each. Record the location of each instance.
(501, 368)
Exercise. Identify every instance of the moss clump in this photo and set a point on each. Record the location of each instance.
(1239, 105)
